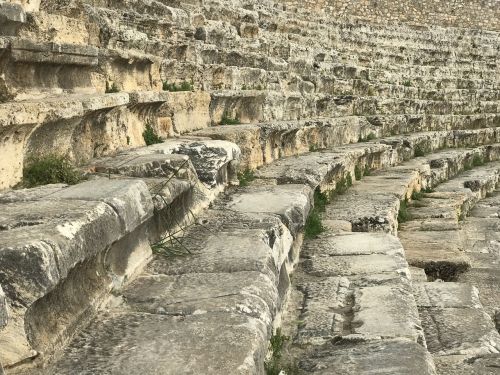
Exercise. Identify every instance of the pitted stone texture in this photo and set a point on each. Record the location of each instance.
(369, 358)
(487, 281)
(439, 294)
(291, 203)
(34, 194)
(324, 167)
(235, 251)
(11, 13)
(247, 137)
(366, 213)
(129, 198)
(364, 258)
(144, 164)
(386, 312)
(27, 51)
(135, 343)
(248, 293)
(425, 249)
(437, 207)
(463, 365)
(353, 244)
(465, 331)
(210, 158)
(43, 241)
(326, 304)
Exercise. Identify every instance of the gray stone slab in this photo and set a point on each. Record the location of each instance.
(370, 358)
(439, 294)
(146, 165)
(12, 13)
(487, 280)
(291, 203)
(353, 244)
(210, 158)
(233, 251)
(465, 331)
(41, 242)
(248, 293)
(134, 343)
(129, 198)
(463, 365)
(24, 50)
(356, 265)
(367, 212)
(325, 309)
(426, 247)
(34, 194)
(386, 312)
(310, 169)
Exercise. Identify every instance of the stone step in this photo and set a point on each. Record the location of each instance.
(441, 249)
(398, 356)
(104, 226)
(237, 276)
(241, 222)
(456, 326)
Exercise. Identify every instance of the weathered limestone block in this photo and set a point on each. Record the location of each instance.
(366, 213)
(466, 331)
(357, 266)
(28, 5)
(386, 312)
(291, 202)
(323, 316)
(397, 356)
(446, 295)
(130, 199)
(129, 70)
(440, 253)
(247, 137)
(35, 127)
(187, 111)
(25, 51)
(154, 343)
(12, 17)
(148, 165)
(228, 252)
(248, 293)
(216, 162)
(246, 106)
(56, 28)
(54, 242)
(461, 364)
(325, 168)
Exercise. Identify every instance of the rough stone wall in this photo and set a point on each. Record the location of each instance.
(476, 14)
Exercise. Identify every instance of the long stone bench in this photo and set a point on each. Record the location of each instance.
(63, 257)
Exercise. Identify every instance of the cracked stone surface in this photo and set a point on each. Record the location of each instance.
(370, 357)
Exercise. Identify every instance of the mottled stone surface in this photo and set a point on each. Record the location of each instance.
(371, 357)
(137, 343)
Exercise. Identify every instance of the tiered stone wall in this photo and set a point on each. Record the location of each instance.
(477, 14)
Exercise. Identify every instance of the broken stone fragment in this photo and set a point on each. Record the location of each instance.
(216, 162)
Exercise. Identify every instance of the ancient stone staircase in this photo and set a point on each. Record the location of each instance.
(315, 105)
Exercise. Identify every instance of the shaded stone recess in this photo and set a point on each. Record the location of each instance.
(186, 256)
